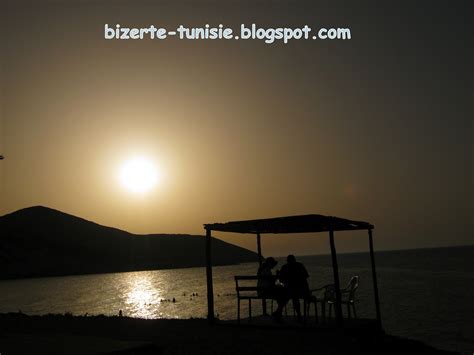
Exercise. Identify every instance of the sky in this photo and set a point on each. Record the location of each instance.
(377, 128)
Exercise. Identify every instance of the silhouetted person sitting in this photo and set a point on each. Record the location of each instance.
(267, 287)
(294, 277)
(266, 281)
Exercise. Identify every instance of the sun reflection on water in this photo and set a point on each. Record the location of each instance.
(143, 295)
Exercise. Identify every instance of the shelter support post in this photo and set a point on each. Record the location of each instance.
(259, 250)
(210, 291)
(374, 279)
(337, 287)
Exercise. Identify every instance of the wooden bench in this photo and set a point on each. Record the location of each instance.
(248, 292)
(251, 293)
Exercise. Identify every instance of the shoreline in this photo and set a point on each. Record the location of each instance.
(57, 334)
(34, 277)
(378, 252)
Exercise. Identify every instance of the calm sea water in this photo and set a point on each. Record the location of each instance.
(426, 294)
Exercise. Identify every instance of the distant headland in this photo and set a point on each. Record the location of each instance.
(40, 241)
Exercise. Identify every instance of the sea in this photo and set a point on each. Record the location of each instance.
(425, 294)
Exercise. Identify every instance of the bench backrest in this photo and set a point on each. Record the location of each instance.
(253, 288)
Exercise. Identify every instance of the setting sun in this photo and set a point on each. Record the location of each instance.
(139, 174)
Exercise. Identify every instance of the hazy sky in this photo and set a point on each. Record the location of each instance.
(378, 128)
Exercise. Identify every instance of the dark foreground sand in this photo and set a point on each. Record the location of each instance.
(63, 334)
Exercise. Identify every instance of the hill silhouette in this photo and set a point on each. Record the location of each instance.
(40, 241)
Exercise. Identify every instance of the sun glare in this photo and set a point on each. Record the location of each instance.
(139, 174)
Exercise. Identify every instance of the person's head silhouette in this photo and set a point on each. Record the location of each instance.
(270, 262)
(290, 259)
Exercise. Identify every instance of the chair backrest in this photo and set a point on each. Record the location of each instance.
(352, 287)
(330, 290)
(329, 293)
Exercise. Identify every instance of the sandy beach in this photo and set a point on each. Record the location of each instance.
(65, 334)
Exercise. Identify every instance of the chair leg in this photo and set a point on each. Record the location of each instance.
(316, 317)
(349, 311)
(323, 311)
(250, 309)
(305, 313)
(354, 310)
(330, 311)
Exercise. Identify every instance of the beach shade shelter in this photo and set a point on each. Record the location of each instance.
(312, 223)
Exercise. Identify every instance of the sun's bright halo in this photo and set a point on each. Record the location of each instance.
(139, 174)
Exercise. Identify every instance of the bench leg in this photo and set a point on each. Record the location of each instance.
(238, 310)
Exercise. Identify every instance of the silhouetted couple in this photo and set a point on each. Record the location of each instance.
(294, 284)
